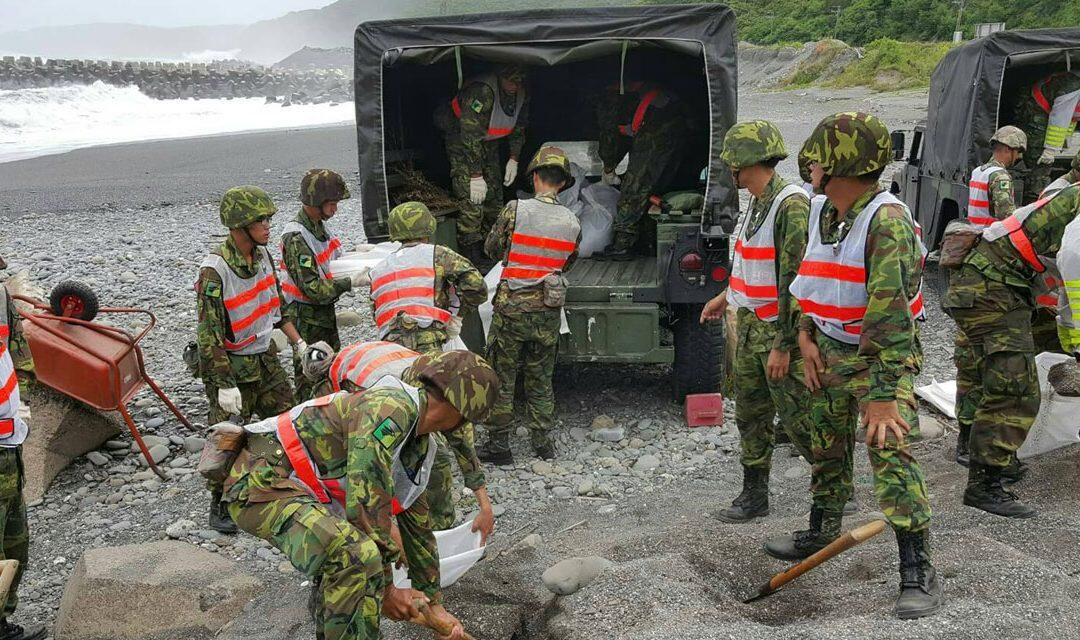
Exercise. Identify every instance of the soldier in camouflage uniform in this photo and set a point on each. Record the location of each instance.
(990, 298)
(537, 242)
(1071, 176)
(474, 123)
(318, 483)
(16, 365)
(319, 364)
(1032, 113)
(650, 124)
(310, 290)
(422, 321)
(242, 377)
(993, 181)
(768, 380)
(859, 289)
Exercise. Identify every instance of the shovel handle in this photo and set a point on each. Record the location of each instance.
(8, 569)
(843, 543)
(425, 619)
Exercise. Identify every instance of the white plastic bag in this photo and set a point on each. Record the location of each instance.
(356, 261)
(940, 394)
(597, 218)
(487, 309)
(1058, 422)
(459, 550)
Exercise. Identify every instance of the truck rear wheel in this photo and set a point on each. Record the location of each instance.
(699, 353)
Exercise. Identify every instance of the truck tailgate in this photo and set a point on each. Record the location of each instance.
(595, 280)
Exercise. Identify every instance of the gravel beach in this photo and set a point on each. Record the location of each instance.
(133, 221)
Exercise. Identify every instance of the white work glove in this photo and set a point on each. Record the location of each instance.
(610, 178)
(1047, 156)
(453, 327)
(230, 401)
(477, 190)
(511, 172)
(361, 279)
(299, 347)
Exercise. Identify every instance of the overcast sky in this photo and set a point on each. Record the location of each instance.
(26, 14)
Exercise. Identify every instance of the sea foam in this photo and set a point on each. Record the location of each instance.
(36, 122)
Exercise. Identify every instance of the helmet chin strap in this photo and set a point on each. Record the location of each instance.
(820, 189)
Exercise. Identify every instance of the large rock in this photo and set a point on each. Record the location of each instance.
(166, 590)
(572, 574)
(61, 429)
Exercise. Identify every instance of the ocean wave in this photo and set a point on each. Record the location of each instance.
(36, 122)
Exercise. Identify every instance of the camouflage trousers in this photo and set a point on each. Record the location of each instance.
(473, 221)
(529, 341)
(312, 333)
(14, 531)
(997, 388)
(758, 400)
(420, 340)
(344, 564)
(1044, 330)
(654, 159)
(899, 483)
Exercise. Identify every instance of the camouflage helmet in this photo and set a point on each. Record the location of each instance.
(242, 206)
(1011, 137)
(514, 72)
(322, 185)
(753, 142)
(411, 221)
(552, 157)
(847, 145)
(463, 378)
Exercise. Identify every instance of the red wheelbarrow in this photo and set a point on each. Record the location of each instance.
(97, 364)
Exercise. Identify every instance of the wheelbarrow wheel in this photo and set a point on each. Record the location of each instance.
(73, 299)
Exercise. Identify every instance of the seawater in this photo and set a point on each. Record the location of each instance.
(35, 122)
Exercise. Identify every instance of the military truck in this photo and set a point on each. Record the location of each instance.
(972, 92)
(642, 311)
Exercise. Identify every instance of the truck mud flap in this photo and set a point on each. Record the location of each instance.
(614, 333)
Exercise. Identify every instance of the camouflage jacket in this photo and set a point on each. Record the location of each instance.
(889, 344)
(352, 438)
(453, 273)
(497, 246)
(1030, 116)
(1001, 262)
(304, 272)
(1000, 191)
(790, 235)
(218, 367)
(613, 110)
(477, 101)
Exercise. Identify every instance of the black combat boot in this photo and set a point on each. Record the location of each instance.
(984, 491)
(963, 457)
(753, 502)
(824, 528)
(920, 589)
(544, 449)
(621, 249)
(1015, 472)
(220, 520)
(10, 631)
(496, 450)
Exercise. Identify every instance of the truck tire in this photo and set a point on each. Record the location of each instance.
(74, 299)
(699, 353)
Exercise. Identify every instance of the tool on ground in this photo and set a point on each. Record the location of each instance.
(425, 619)
(836, 547)
(8, 569)
(97, 364)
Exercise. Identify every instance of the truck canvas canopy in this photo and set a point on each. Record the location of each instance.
(968, 85)
(404, 68)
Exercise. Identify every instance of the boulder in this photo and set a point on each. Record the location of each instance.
(61, 429)
(572, 574)
(165, 590)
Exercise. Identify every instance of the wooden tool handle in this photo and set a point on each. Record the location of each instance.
(8, 569)
(425, 619)
(838, 546)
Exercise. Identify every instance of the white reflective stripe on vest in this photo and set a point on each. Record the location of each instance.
(1061, 122)
(13, 429)
(979, 196)
(1055, 186)
(252, 304)
(752, 284)
(408, 486)
(404, 284)
(831, 284)
(501, 123)
(545, 235)
(365, 363)
(324, 253)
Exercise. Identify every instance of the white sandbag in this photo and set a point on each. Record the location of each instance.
(940, 394)
(455, 344)
(459, 550)
(1058, 422)
(487, 310)
(597, 218)
(355, 262)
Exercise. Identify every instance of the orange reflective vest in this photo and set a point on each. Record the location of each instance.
(403, 284)
(979, 196)
(252, 304)
(324, 251)
(501, 123)
(365, 363)
(545, 236)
